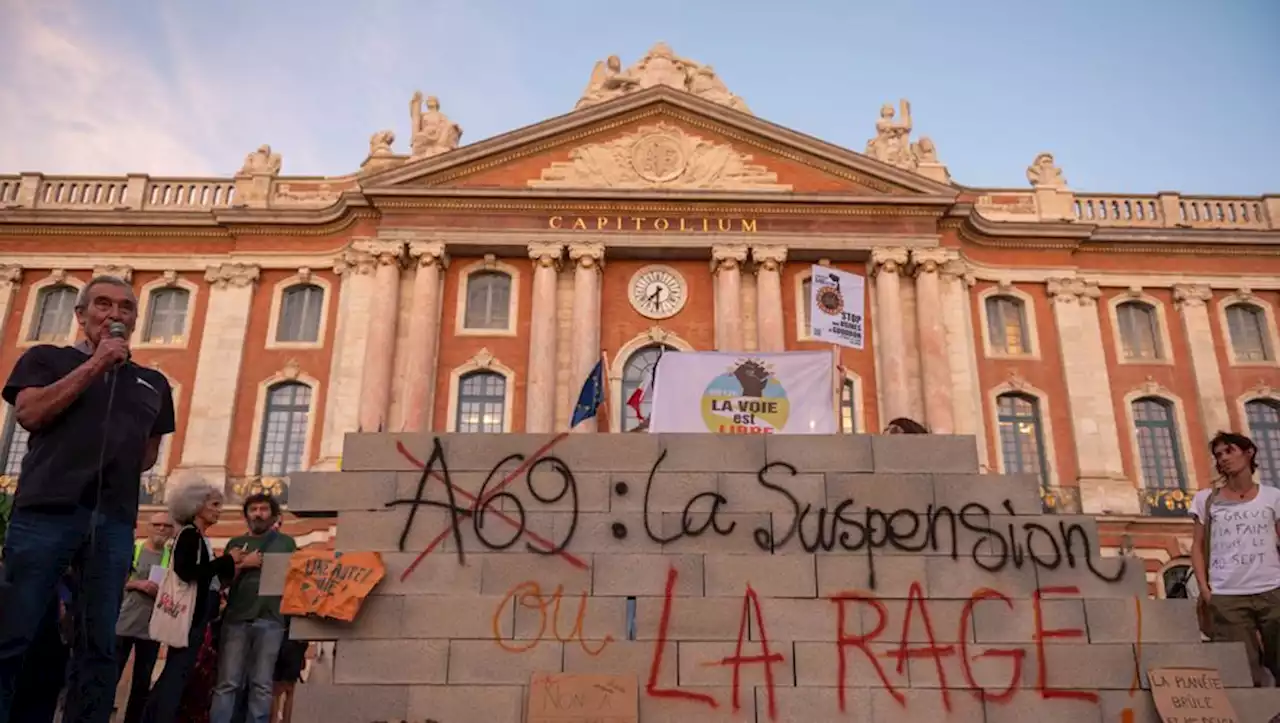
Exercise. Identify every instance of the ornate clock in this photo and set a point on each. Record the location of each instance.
(658, 292)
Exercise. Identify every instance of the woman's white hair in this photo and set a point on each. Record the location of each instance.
(187, 496)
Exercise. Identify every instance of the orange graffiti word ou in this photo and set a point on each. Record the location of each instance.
(529, 595)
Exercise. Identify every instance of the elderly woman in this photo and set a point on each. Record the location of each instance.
(195, 506)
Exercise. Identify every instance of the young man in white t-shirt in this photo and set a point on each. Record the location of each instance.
(1242, 585)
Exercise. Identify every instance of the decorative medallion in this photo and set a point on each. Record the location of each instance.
(658, 158)
(658, 292)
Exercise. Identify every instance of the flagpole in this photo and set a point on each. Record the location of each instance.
(837, 383)
(606, 390)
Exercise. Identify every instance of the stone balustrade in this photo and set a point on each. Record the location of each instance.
(1172, 210)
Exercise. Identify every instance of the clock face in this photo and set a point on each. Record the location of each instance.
(657, 292)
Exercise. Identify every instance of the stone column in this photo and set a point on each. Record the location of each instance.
(379, 357)
(957, 321)
(540, 395)
(1190, 300)
(886, 265)
(588, 259)
(10, 280)
(726, 266)
(935, 367)
(1103, 485)
(771, 332)
(346, 365)
(424, 335)
(226, 323)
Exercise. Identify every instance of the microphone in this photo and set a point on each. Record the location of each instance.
(117, 330)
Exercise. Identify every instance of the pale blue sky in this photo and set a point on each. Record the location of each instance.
(1130, 96)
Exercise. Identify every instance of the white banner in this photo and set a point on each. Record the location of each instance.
(726, 393)
(837, 312)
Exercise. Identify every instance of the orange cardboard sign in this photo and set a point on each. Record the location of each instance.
(580, 698)
(1190, 695)
(330, 584)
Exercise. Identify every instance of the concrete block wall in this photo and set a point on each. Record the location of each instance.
(889, 580)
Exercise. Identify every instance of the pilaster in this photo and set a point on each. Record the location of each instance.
(726, 266)
(10, 280)
(887, 264)
(934, 363)
(379, 358)
(957, 321)
(770, 329)
(1191, 300)
(540, 397)
(428, 258)
(588, 259)
(351, 337)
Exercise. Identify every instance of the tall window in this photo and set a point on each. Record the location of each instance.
(1159, 457)
(55, 310)
(13, 446)
(806, 307)
(284, 429)
(1021, 435)
(167, 316)
(1247, 325)
(847, 408)
(1139, 333)
(1006, 325)
(482, 402)
(488, 300)
(1263, 417)
(634, 372)
(300, 314)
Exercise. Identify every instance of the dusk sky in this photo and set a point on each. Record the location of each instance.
(1130, 96)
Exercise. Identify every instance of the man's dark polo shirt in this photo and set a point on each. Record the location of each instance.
(60, 469)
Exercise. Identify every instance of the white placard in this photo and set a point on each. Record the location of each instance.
(837, 308)
(157, 573)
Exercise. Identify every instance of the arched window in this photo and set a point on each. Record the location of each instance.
(638, 367)
(488, 300)
(482, 402)
(55, 312)
(1139, 330)
(1263, 417)
(1174, 580)
(1007, 325)
(300, 310)
(167, 316)
(1021, 435)
(1159, 456)
(1247, 325)
(284, 429)
(848, 408)
(13, 447)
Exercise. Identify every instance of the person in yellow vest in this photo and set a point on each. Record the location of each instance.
(134, 623)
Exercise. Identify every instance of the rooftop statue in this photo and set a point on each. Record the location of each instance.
(433, 132)
(661, 66)
(892, 144)
(261, 161)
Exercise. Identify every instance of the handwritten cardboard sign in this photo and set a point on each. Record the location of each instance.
(573, 698)
(330, 584)
(1190, 695)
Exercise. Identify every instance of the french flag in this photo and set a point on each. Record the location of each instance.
(645, 389)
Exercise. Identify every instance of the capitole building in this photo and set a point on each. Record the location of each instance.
(1094, 341)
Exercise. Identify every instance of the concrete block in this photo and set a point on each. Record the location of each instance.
(992, 668)
(926, 705)
(334, 491)
(959, 579)
(1113, 703)
(382, 662)
(1021, 492)
(1250, 704)
(444, 617)
(465, 702)
(696, 618)
(548, 615)
(507, 531)
(438, 573)
(462, 452)
(745, 493)
(1129, 573)
(655, 709)
(1116, 620)
(741, 540)
(702, 664)
(1229, 658)
(646, 575)
(598, 532)
(894, 574)
(668, 491)
(1040, 539)
(768, 575)
(936, 453)
(996, 622)
(944, 621)
(623, 453)
(621, 657)
(367, 531)
(534, 491)
(380, 618)
(483, 662)
(350, 703)
(887, 493)
(1096, 666)
(274, 568)
(820, 453)
(817, 666)
(711, 452)
(1029, 707)
(502, 573)
(797, 619)
(817, 705)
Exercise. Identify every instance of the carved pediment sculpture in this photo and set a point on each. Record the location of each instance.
(433, 132)
(659, 156)
(261, 162)
(661, 66)
(381, 156)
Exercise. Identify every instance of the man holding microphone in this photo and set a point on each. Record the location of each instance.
(96, 421)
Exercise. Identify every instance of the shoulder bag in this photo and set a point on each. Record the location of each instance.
(174, 607)
(1204, 615)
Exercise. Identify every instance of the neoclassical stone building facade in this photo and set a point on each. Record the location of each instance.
(1094, 341)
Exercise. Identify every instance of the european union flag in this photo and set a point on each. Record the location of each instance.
(591, 396)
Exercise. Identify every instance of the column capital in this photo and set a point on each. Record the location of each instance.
(10, 276)
(384, 253)
(587, 254)
(889, 260)
(120, 272)
(1072, 291)
(546, 253)
(727, 257)
(232, 275)
(428, 253)
(931, 260)
(769, 258)
(1191, 295)
(959, 269)
(352, 261)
